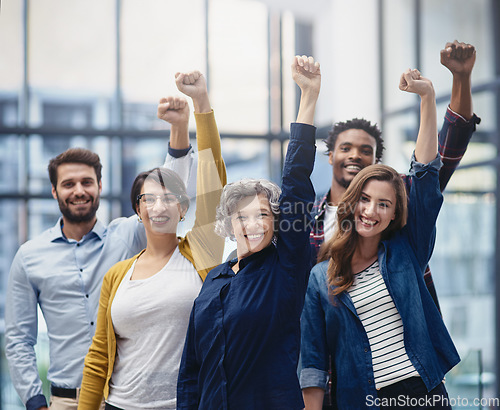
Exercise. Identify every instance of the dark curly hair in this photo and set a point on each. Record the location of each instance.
(358, 124)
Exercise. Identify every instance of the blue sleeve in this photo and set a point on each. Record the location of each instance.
(314, 348)
(187, 382)
(130, 231)
(296, 202)
(178, 153)
(36, 402)
(21, 330)
(425, 200)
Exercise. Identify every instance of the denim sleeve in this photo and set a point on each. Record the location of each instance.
(21, 324)
(425, 200)
(418, 168)
(314, 348)
(296, 202)
(313, 378)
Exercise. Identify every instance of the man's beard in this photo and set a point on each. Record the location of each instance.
(80, 217)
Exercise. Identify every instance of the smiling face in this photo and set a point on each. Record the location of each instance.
(77, 192)
(252, 225)
(158, 209)
(376, 209)
(354, 150)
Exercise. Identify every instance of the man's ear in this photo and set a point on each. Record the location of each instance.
(330, 158)
(54, 192)
(100, 187)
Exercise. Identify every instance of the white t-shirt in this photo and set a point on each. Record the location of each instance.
(329, 221)
(150, 318)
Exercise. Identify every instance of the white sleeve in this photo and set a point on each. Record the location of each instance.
(185, 167)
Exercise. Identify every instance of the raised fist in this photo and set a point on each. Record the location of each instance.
(174, 110)
(458, 57)
(413, 82)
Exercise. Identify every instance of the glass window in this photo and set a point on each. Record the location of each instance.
(238, 47)
(158, 39)
(11, 63)
(72, 46)
(399, 52)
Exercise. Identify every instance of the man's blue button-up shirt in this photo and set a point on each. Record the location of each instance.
(64, 277)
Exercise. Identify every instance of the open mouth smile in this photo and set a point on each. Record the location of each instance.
(80, 202)
(353, 167)
(254, 237)
(159, 219)
(367, 222)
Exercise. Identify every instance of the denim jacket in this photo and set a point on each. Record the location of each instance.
(336, 330)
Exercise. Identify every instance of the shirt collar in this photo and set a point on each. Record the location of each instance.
(227, 266)
(56, 233)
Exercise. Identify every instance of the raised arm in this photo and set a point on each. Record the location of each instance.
(307, 74)
(193, 84)
(202, 241)
(426, 147)
(459, 121)
(424, 199)
(297, 192)
(459, 58)
(175, 111)
(180, 158)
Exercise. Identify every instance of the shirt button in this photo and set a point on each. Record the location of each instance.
(369, 381)
(92, 323)
(366, 349)
(81, 270)
(86, 296)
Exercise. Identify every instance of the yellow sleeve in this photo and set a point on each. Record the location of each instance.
(202, 245)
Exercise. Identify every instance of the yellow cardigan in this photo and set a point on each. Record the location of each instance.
(201, 246)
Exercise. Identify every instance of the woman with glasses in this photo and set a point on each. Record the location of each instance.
(146, 300)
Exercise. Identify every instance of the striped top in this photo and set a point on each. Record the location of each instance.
(383, 326)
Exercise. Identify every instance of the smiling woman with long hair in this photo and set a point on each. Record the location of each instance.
(342, 248)
(367, 306)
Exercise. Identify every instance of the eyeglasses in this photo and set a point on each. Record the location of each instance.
(150, 199)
